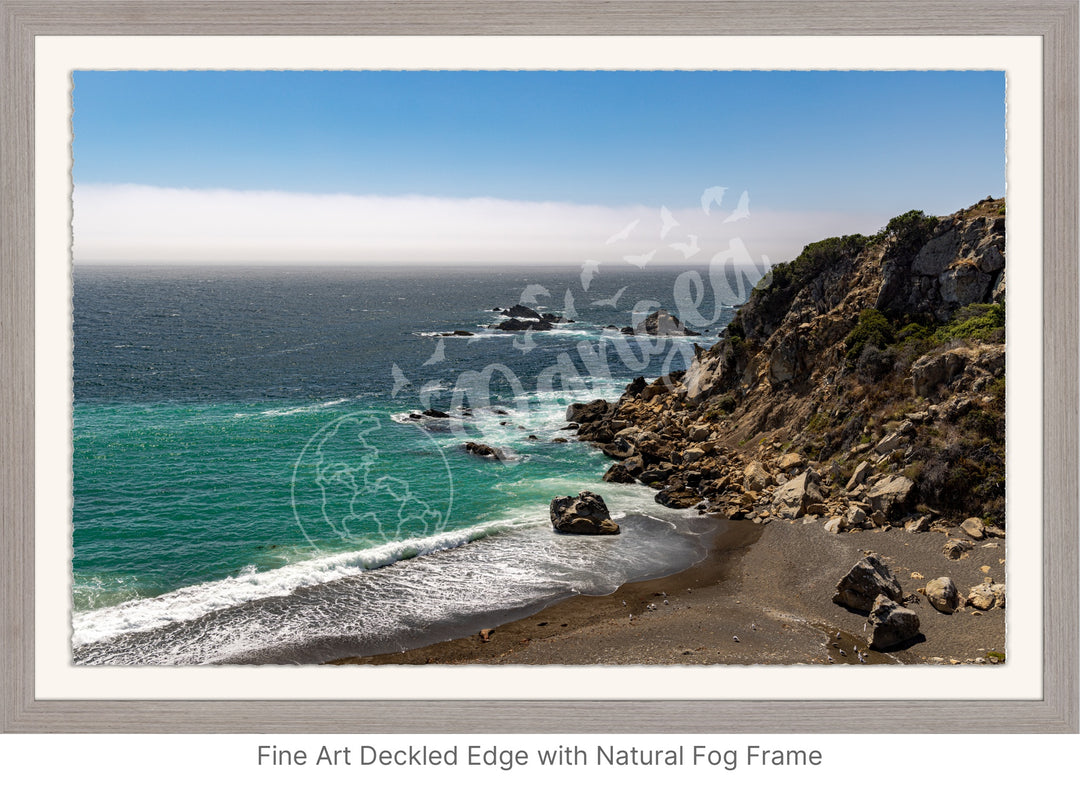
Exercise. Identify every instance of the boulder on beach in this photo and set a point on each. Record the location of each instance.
(794, 497)
(943, 595)
(891, 495)
(890, 624)
(587, 514)
(986, 595)
(954, 549)
(867, 580)
(974, 527)
(679, 497)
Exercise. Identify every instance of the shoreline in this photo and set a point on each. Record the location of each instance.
(770, 586)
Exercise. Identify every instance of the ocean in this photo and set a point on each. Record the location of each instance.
(254, 481)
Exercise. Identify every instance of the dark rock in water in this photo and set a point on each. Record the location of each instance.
(483, 450)
(415, 416)
(618, 474)
(586, 514)
(615, 451)
(516, 324)
(662, 323)
(585, 412)
(866, 581)
(559, 440)
(520, 310)
(431, 413)
(457, 333)
(890, 624)
(637, 385)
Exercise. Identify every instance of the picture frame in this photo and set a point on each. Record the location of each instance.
(1055, 21)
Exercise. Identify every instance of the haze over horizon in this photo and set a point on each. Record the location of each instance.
(505, 167)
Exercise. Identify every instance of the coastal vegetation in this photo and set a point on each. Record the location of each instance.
(860, 388)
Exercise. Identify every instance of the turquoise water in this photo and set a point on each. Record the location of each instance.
(253, 482)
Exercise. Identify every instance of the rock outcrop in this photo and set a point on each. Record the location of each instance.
(942, 594)
(862, 383)
(661, 323)
(587, 514)
(485, 451)
(891, 624)
(517, 324)
(794, 498)
(869, 579)
(986, 595)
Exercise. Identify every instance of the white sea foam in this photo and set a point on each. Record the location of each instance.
(293, 411)
(186, 604)
(324, 608)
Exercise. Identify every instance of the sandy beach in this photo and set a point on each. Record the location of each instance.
(762, 596)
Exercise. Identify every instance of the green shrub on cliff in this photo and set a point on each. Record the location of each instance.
(907, 232)
(873, 329)
(976, 321)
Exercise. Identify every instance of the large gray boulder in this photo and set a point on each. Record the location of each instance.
(933, 370)
(792, 499)
(943, 595)
(859, 476)
(891, 495)
(867, 580)
(755, 477)
(890, 624)
(586, 514)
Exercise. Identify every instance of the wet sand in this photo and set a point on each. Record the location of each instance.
(762, 596)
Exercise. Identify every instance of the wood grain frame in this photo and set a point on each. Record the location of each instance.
(1053, 20)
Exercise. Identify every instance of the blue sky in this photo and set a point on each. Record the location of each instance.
(808, 148)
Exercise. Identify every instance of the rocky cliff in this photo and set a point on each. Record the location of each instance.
(863, 382)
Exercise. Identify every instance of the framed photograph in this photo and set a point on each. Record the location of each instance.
(476, 366)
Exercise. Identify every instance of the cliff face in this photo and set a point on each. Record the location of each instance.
(876, 357)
